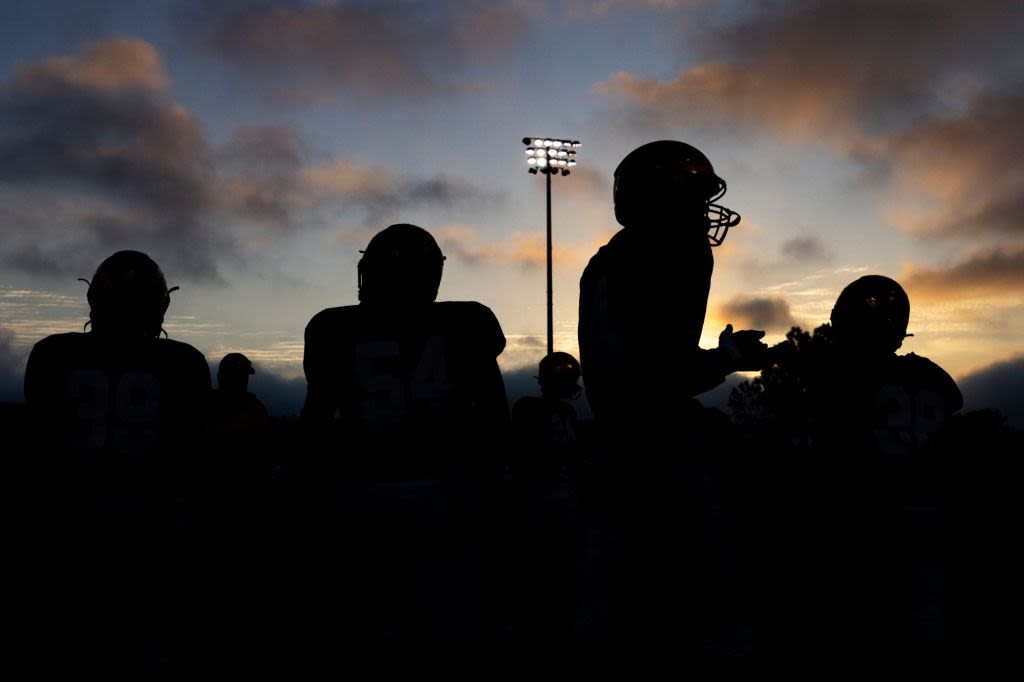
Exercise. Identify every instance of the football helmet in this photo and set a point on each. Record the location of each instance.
(128, 295)
(668, 176)
(401, 264)
(558, 374)
(872, 313)
(233, 371)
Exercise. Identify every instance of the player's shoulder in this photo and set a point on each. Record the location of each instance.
(333, 318)
(920, 367)
(923, 372)
(471, 319)
(526, 405)
(58, 343)
(467, 310)
(179, 350)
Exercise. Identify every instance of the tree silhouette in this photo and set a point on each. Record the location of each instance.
(778, 399)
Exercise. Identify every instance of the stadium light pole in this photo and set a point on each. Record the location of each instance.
(550, 156)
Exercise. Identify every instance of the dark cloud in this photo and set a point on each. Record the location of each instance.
(11, 369)
(808, 249)
(990, 272)
(267, 178)
(96, 156)
(758, 313)
(1000, 386)
(377, 49)
(101, 124)
(262, 168)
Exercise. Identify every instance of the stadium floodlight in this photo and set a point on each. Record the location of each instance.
(550, 156)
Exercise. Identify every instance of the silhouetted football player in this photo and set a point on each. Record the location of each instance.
(117, 412)
(409, 406)
(545, 426)
(643, 298)
(235, 412)
(878, 415)
(543, 514)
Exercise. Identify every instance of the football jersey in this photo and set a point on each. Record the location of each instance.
(642, 298)
(110, 408)
(891, 408)
(544, 436)
(405, 393)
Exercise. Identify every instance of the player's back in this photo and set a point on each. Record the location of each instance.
(395, 385)
(109, 410)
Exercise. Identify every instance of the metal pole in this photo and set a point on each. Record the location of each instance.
(551, 331)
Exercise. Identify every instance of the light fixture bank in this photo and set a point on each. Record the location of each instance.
(549, 155)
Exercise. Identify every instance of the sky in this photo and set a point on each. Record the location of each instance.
(253, 148)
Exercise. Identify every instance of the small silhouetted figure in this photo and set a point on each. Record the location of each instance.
(407, 406)
(877, 418)
(116, 415)
(543, 512)
(545, 427)
(643, 298)
(235, 412)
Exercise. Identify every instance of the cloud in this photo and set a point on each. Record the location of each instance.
(526, 249)
(987, 272)
(925, 94)
(758, 313)
(101, 124)
(1000, 386)
(375, 49)
(267, 178)
(806, 249)
(598, 8)
(97, 156)
(11, 369)
(967, 166)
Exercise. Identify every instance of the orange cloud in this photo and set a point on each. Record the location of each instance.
(967, 166)
(526, 249)
(992, 273)
(850, 74)
(115, 64)
(342, 177)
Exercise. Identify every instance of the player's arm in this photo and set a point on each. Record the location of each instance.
(318, 408)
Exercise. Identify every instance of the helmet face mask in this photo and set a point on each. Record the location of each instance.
(671, 178)
(402, 264)
(871, 315)
(558, 374)
(128, 295)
